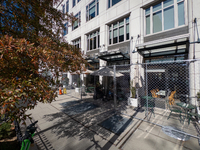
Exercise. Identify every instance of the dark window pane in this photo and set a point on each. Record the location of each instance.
(98, 41)
(127, 32)
(157, 7)
(92, 4)
(67, 6)
(147, 11)
(95, 42)
(87, 18)
(121, 34)
(121, 38)
(167, 3)
(91, 41)
(74, 3)
(92, 12)
(115, 2)
(110, 37)
(63, 9)
(98, 8)
(127, 36)
(109, 3)
(76, 24)
(115, 36)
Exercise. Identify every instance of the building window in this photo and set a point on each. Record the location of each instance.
(77, 23)
(92, 10)
(67, 6)
(165, 15)
(73, 3)
(77, 43)
(119, 31)
(112, 2)
(78, 1)
(93, 40)
(181, 12)
(63, 10)
(65, 30)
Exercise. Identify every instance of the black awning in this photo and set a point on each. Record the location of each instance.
(114, 56)
(92, 59)
(165, 49)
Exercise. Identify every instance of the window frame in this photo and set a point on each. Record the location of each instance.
(77, 42)
(63, 9)
(73, 3)
(111, 28)
(91, 36)
(65, 30)
(109, 3)
(96, 5)
(176, 17)
(78, 16)
(67, 6)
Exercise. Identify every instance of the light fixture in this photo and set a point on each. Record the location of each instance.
(135, 43)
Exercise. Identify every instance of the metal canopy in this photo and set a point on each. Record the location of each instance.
(164, 49)
(106, 72)
(92, 59)
(114, 56)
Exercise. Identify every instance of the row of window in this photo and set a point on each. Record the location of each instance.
(92, 9)
(118, 32)
(164, 15)
(75, 25)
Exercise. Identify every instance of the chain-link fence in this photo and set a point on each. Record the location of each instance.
(163, 93)
(167, 92)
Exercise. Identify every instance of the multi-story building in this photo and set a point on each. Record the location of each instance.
(116, 32)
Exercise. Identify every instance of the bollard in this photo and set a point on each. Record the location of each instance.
(64, 90)
(60, 91)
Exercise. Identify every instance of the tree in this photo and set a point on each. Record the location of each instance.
(31, 44)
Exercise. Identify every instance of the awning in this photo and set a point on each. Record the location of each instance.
(92, 59)
(171, 47)
(111, 56)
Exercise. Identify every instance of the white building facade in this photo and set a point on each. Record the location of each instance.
(117, 32)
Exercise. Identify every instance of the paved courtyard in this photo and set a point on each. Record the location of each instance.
(84, 128)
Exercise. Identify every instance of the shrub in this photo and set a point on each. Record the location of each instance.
(5, 130)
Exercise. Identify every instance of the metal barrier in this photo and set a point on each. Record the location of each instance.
(164, 92)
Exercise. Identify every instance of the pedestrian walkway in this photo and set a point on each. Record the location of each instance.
(60, 130)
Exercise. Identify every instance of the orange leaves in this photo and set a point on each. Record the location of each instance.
(1, 44)
(19, 73)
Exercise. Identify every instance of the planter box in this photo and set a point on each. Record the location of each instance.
(133, 102)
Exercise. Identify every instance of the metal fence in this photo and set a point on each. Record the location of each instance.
(164, 92)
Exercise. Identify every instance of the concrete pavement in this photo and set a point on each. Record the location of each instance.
(59, 131)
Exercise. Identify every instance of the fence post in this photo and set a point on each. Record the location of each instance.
(81, 85)
(114, 81)
(146, 94)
